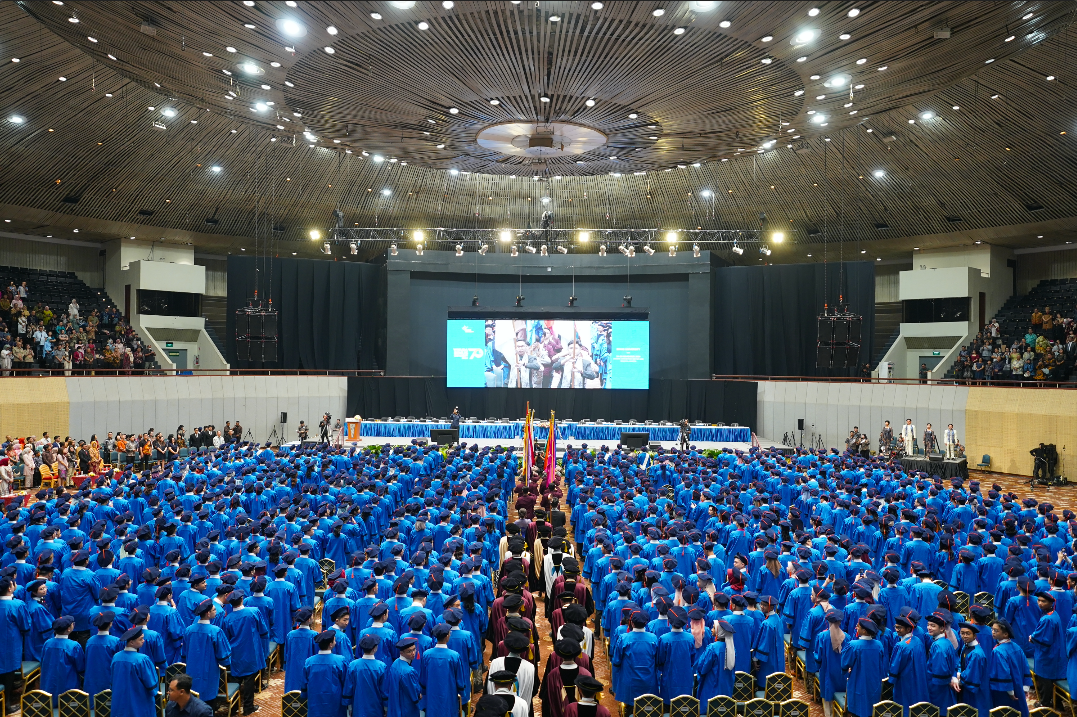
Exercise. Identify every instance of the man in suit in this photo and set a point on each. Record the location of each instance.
(950, 439)
(908, 435)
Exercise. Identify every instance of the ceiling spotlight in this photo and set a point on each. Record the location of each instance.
(705, 193)
(804, 36)
(168, 112)
(854, 12)
(813, 12)
(590, 102)
(73, 19)
(329, 50)
(695, 250)
(505, 235)
(562, 250)
(459, 249)
(658, 12)
(1050, 77)
(1011, 38)
(62, 79)
(375, 15)
(418, 249)
(702, 5)
(957, 107)
(423, 25)
(332, 30)
(927, 115)
(402, 4)
(1027, 16)
(737, 250)
(819, 119)
(766, 38)
(678, 31)
(596, 6)
(354, 248)
(530, 249)
(454, 111)
(16, 119)
(543, 251)
(989, 61)
(879, 173)
(673, 250)
(417, 235)
(764, 251)
(544, 98)
(602, 250)
(514, 251)
(844, 36)
(724, 24)
(883, 68)
(315, 234)
(483, 249)
(777, 237)
(647, 248)
(671, 237)
(251, 69)
(291, 27)
(555, 18)
(495, 103)
(767, 60)
(216, 169)
(326, 249)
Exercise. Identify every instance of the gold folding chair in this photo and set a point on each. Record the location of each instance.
(31, 675)
(888, 689)
(229, 691)
(37, 703)
(779, 687)
(102, 704)
(173, 671)
(962, 710)
(648, 706)
(743, 686)
(793, 708)
(962, 600)
(1062, 690)
(721, 706)
(758, 707)
(685, 706)
(1043, 712)
(837, 706)
(984, 598)
(74, 703)
(924, 709)
(1004, 711)
(293, 704)
(886, 708)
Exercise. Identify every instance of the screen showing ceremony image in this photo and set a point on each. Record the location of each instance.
(547, 353)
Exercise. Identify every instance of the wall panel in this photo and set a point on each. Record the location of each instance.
(1007, 423)
(33, 405)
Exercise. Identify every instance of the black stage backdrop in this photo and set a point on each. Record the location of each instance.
(331, 313)
(665, 400)
(765, 316)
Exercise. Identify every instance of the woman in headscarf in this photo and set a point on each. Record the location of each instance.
(716, 667)
(96, 464)
(29, 462)
(701, 634)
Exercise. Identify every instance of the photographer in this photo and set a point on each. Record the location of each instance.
(1040, 469)
(303, 431)
(685, 433)
(323, 427)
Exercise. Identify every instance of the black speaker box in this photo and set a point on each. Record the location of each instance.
(445, 436)
(242, 323)
(841, 331)
(634, 440)
(283, 416)
(800, 424)
(826, 331)
(824, 355)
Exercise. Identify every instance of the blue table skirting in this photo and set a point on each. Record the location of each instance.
(565, 431)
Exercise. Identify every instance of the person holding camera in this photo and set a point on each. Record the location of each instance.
(323, 426)
(685, 433)
(303, 431)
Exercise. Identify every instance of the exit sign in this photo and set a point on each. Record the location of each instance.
(168, 345)
(933, 353)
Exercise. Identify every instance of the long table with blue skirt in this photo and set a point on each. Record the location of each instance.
(566, 430)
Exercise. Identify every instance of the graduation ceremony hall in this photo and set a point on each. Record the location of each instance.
(538, 358)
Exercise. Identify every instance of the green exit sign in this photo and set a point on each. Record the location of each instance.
(933, 353)
(168, 345)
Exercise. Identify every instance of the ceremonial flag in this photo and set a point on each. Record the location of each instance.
(551, 453)
(529, 445)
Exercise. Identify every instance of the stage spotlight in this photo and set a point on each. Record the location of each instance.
(543, 251)
(585, 236)
(315, 234)
(764, 251)
(673, 250)
(562, 249)
(515, 251)
(417, 235)
(647, 248)
(506, 235)
(737, 250)
(777, 237)
(459, 250)
(627, 302)
(474, 300)
(484, 248)
(671, 237)
(695, 250)
(572, 301)
(326, 249)
(519, 300)
(623, 250)
(393, 250)
(530, 249)
(602, 250)
(418, 249)
(354, 248)
(631, 252)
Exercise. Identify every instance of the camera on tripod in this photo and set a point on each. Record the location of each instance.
(1045, 466)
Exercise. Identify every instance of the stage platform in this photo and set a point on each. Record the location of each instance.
(571, 431)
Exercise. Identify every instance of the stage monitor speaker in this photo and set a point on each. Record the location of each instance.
(445, 436)
(843, 354)
(800, 424)
(855, 325)
(243, 350)
(824, 355)
(242, 323)
(826, 331)
(841, 331)
(263, 350)
(283, 416)
(634, 440)
(269, 324)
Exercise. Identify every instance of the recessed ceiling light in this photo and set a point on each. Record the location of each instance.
(63, 79)
(798, 93)
(678, 31)
(988, 62)
(844, 36)
(229, 49)
(766, 38)
(423, 25)
(544, 98)
(454, 111)
(767, 60)
(633, 116)
(288, 84)
(724, 24)
(1050, 77)
(883, 68)
(251, 69)
(16, 119)
(108, 94)
(402, 4)
(879, 173)
(820, 97)
(1010, 38)
(1039, 236)
(495, 102)
(927, 115)
(848, 104)
(332, 30)
(441, 146)
(248, 3)
(15, 59)
(329, 50)
(375, 15)
(291, 27)
(654, 136)
(995, 97)
(91, 39)
(818, 119)
(555, 18)
(596, 6)
(291, 3)
(1027, 17)
(73, 19)
(590, 102)
(813, 12)
(804, 36)
(207, 54)
(862, 61)
(168, 112)
(215, 168)
(249, 26)
(858, 87)
(658, 12)
(814, 77)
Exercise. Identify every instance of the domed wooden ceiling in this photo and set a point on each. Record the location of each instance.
(874, 120)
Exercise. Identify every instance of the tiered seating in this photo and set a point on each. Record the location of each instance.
(56, 289)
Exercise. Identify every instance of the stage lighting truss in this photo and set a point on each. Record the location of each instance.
(545, 241)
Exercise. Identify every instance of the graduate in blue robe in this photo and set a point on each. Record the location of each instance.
(675, 651)
(715, 666)
(908, 665)
(40, 622)
(444, 677)
(205, 649)
(1008, 670)
(100, 649)
(134, 679)
(402, 691)
(832, 677)
(864, 662)
(1071, 653)
(364, 685)
(285, 599)
(746, 629)
(634, 660)
(942, 663)
(973, 681)
(165, 621)
(323, 679)
(1022, 612)
(381, 629)
(768, 651)
(62, 660)
(298, 646)
(1049, 641)
(248, 634)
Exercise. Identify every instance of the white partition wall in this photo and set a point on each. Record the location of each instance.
(137, 403)
(834, 408)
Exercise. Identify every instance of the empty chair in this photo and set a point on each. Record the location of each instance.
(37, 703)
(886, 708)
(721, 706)
(926, 709)
(649, 706)
(293, 704)
(687, 706)
(792, 708)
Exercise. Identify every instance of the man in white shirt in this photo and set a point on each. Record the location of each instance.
(950, 439)
(908, 435)
(522, 670)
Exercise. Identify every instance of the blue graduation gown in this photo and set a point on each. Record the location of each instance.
(386, 651)
(402, 692)
(1023, 614)
(814, 623)
(78, 593)
(445, 680)
(635, 661)
(893, 599)
(247, 632)
(62, 662)
(714, 678)
(675, 670)
(323, 685)
(205, 647)
(941, 666)
(364, 687)
(831, 677)
(908, 672)
(100, 649)
(134, 685)
(746, 631)
(975, 687)
(166, 622)
(40, 630)
(1071, 652)
(343, 646)
(924, 596)
(1008, 672)
(865, 665)
(298, 646)
(285, 599)
(153, 647)
(1049, 647)
(769, 648)
(464, 643)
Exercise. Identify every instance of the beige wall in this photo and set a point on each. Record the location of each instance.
(55, 255)
(1007, 423)
(31, 405)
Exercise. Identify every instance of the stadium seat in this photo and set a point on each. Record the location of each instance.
(758, 707)
(229, 692)
(721, 706)
(1003, 711)
(961, 710)
(838, 705)
(779, 687)
(31, 672)
(743, 686)
(793, 708)
(984, 598)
